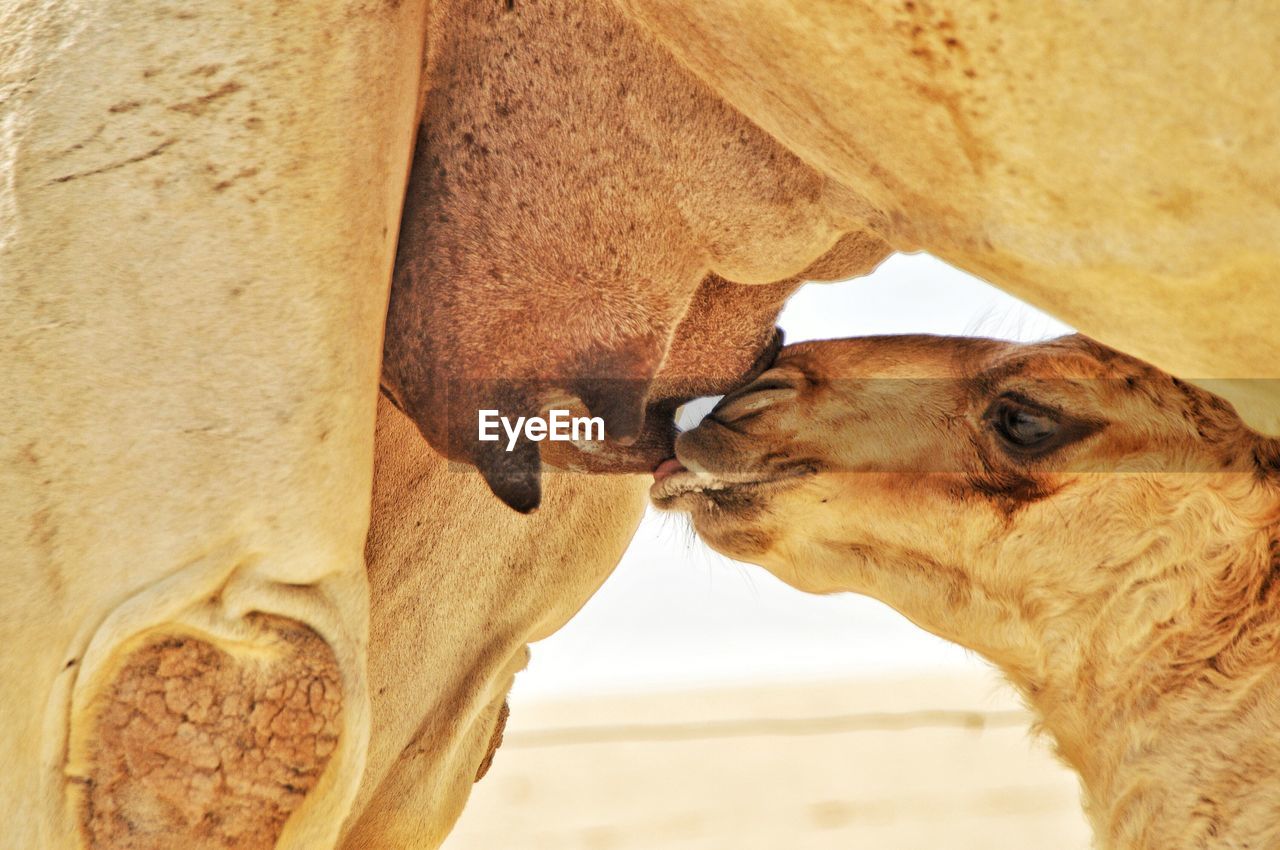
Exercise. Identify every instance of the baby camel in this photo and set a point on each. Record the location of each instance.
(1104, 533)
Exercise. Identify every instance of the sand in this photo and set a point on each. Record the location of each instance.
(929, 761)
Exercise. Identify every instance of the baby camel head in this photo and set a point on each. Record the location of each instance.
(1044, 504)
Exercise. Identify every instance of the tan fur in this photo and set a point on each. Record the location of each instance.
(453, 612)
(1126, 583)
(460, 584)
(571, 187)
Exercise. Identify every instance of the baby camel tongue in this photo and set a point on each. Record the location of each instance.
(667, 468)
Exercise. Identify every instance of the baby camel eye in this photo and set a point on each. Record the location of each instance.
(1022, 427)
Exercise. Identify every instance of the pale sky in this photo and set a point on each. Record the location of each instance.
(677, 615)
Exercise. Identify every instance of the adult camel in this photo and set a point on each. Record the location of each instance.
(1085, 160)
(189, 410)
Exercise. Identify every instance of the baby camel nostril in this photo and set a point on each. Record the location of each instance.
(667, 468)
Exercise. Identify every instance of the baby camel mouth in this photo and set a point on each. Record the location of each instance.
(672, 481)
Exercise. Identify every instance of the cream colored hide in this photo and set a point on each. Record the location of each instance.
(198, 212)
(1116, 164)
(460, 584)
